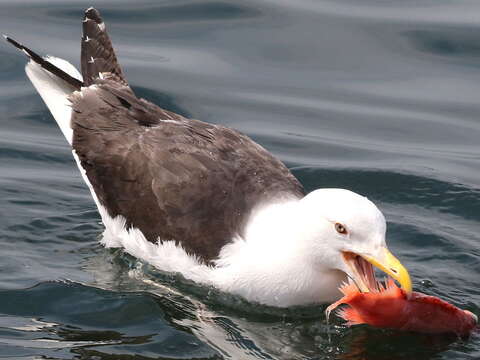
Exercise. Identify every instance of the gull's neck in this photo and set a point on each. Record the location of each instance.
(273, 264)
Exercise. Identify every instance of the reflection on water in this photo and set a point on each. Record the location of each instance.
(156, 319)
(378, 97)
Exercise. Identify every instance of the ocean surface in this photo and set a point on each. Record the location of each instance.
(380, 97)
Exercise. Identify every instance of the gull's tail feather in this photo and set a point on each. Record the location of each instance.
(54, 79)
(98, 56)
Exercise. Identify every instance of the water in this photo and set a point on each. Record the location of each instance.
(381, 97)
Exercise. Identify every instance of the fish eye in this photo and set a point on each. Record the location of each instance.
(341, 229)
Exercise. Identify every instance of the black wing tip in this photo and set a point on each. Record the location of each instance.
(93, 14)
(46, 64)
(20, 47)
(13, 42)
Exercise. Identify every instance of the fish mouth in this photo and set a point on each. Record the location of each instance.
(363, 275)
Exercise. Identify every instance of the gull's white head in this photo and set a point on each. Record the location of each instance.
(346, 231)
(299, 252)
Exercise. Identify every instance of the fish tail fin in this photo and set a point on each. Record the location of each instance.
(97, 54)
(351, 316)
(54, 79)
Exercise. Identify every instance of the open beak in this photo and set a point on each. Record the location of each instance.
(363, 275)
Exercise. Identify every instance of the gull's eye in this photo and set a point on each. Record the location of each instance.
(341, 229)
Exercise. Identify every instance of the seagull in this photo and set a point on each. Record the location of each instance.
(204, 200)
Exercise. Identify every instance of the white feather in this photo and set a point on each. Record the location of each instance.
(166, 256)
(55, 91)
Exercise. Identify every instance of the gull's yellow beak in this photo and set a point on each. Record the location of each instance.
(390, 265)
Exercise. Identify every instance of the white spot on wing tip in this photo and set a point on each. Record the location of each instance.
(101, 26)
(170, 121)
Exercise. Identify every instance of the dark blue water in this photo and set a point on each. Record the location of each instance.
(381, 97)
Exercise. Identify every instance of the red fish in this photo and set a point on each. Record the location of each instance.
(391, 307)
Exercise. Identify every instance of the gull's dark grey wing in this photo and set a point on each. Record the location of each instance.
(171, 177)
(97, 54)
(177, 179)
